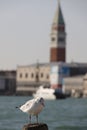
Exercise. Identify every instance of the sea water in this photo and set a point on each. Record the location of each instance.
(67, 114)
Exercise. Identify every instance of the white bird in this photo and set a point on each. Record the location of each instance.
(33, 107)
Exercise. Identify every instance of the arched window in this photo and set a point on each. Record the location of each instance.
(26, 75)
(20, 75)
(61, 39)
(47, 76)
(53, 39)
(32, 75)
(41, 75)
(37, 77)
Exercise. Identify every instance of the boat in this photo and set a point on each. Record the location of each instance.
(45, 92)
(48, 93)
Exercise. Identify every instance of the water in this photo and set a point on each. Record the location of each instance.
(68, 114)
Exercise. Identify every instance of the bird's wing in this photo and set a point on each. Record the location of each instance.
(27, 106)
(30, 101)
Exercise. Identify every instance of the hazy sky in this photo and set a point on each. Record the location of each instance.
(25, 27)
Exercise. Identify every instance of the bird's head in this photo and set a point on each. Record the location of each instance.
(41, 101)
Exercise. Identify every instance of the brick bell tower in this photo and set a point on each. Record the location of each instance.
(58, 37)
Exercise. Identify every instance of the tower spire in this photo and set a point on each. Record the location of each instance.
(58, 17)
(58, 2)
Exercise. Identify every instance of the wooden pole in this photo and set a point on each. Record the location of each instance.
(36, 126)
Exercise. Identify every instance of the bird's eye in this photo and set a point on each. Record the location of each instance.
(41, 99)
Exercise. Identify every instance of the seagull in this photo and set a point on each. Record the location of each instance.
(33, 107)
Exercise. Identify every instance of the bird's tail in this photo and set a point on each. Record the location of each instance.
(17, 107)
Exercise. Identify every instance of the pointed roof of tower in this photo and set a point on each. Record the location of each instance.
(58, 18)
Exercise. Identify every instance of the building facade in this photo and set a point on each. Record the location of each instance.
(73, 86)
(85, 86)
(29, 78)
(7, 82)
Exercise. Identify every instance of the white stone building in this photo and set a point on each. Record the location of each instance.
(29, 78)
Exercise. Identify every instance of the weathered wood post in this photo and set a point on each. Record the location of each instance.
(36, 126)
